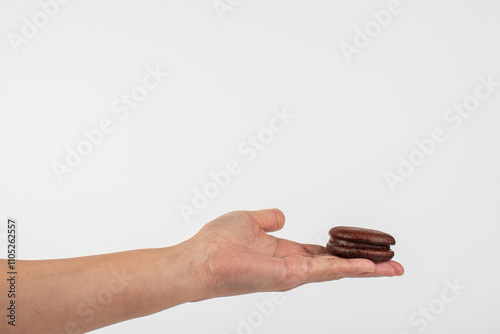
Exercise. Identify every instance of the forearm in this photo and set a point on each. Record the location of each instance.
(81, 294)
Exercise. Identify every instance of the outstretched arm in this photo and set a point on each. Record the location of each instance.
(231, 255)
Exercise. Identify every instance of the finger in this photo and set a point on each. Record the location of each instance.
(341, 267)
(327, 268)
(315, 249)
(269, 220)
(287, 247)
(389, 268)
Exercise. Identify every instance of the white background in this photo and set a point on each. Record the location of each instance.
(326, 168)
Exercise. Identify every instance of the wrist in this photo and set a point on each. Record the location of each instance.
(185, 265)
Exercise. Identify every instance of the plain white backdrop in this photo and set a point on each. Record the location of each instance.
(229, 67)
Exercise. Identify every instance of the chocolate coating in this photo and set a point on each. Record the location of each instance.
(362, 235)
(356, 242)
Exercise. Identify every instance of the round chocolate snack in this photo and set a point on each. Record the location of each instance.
(356, 242)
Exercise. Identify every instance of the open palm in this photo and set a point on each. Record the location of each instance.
(240, 257)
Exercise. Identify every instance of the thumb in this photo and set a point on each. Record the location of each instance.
(269, 219)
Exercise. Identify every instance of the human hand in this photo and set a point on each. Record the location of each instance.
(237, 256)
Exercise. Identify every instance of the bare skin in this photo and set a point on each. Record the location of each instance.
(231, 255)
